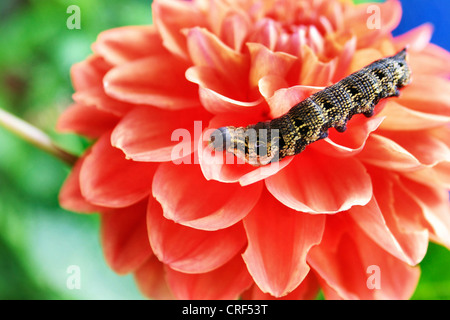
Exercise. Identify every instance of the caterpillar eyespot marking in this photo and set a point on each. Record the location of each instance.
(310, 119)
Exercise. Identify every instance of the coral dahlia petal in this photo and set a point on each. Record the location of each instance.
(70, 196)
(108, 179)
(89, 73)
(125, 239)
(202, 251)
(143, 139)
(86, 120)
(142, 41)
(187, 198)
(351, 215)
(155, 80)
(279, 241)
(351, 266)
(151, 280)
(351, 142)
(398, 117)
(173, 16)
(382, 151)
(307, 290)
(283, 99)
(317, 183)
(427, 94)
(226, 282)
(417, 39)
(435, 209)
(423, 145)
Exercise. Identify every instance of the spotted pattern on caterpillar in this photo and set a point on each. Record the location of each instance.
(309, 120)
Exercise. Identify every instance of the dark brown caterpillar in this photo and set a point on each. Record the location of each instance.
(309, 120)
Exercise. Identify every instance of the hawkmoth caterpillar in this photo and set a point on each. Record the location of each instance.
(310, 119)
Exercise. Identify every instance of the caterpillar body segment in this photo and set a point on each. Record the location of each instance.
(310, 119)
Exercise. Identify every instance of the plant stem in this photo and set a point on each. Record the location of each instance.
(34, 136)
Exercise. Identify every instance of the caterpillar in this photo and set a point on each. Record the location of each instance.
(310, 119)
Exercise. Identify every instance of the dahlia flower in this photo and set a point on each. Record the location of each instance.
(351, 215)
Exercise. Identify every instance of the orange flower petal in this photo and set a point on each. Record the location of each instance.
(433, 60)
(207, 50)
(226, 282)
(234, 30)
(87, 78)
(156, 80)
(142, 138)
(293, 42)
(125, 44)
(70, 197)
(86, 120)
(264, 172)
(265, 62)
(435, 207)
(218, 11)
(284, 99)
(236, 63)
(89, 73)
(316, 41)
(348, 263)
(218, 69)
(401, 118)
(383, 152)
(409, 246)
(172, 16)
(268, 85)
(223, 166)
(201, 251)
(278, 242)
(426, 148)
(344, 59)
(388, 220)
(363, 57)
(350, 142)
(124, 238)
(216, 94)
(307, 290)
(416, 39)
(313, 71)
(189, 199)
(265, 32)
(151, 280)
(427, 94)
(436, 176)
(97, 97)
(108, 179)
(317, 183)
(356, 20)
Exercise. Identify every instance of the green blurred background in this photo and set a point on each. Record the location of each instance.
(38, 239)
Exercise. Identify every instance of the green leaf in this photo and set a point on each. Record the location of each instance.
(435, 278)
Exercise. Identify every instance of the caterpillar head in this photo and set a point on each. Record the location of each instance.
(220, 139)
(254, 146)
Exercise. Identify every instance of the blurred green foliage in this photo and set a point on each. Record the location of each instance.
(38, 239)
